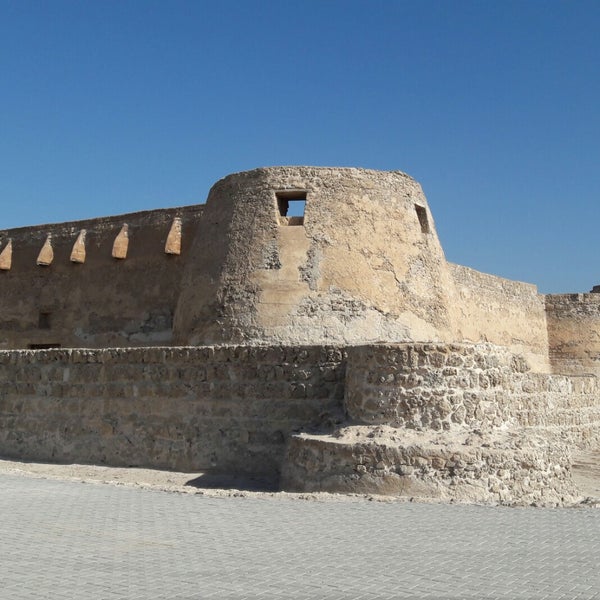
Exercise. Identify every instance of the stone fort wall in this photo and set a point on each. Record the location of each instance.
(574, 332)
(338, 350)
(227, 409)
(451, 421)
(363, 265)
(507, 313)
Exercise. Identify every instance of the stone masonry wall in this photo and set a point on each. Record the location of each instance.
(228, 409)
(454, 422)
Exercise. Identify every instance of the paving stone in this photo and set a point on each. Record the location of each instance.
(66, 540)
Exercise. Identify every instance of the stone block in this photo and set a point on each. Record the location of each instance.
(121, 243)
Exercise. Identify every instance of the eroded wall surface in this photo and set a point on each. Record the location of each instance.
(85, 297)
(574, 332)
(228, 410)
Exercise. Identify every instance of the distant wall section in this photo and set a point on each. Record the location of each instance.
(500, 311)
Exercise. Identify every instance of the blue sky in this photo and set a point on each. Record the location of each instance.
(494, 107)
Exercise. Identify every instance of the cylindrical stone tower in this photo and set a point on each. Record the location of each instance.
(363, 264)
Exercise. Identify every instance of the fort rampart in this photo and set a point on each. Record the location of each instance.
(455, 421)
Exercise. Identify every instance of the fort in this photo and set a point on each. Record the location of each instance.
(336, 350)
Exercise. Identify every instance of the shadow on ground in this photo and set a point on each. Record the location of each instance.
(245, 483)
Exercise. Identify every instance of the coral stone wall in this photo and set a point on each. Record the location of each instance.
(574, 332)
(431, 386)
(225, 410)
(364, 265)
(104, 301)
(451, 421)
(441, 387)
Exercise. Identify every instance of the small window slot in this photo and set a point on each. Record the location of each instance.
(422, 216)
(44, 320)
(291, 205)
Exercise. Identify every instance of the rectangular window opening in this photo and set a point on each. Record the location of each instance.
(291, 205)
(44, 320)
(422, 216)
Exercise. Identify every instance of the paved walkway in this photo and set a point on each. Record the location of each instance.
(76, 540)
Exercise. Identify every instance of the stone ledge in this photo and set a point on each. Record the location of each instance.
(506, 468)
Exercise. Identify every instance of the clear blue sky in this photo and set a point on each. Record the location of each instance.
(494, 106)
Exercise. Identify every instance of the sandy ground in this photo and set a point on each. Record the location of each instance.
(170, 481)
(586, 474)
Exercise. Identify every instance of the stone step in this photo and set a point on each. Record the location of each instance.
(586, 472)
(583, 415)
(506, 467)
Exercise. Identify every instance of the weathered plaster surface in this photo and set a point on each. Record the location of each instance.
(360, 268)
(574, 332)
(97, 300)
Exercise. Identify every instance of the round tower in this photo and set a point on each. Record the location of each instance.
(362, 263)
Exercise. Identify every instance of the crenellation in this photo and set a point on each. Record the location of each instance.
(6, 256)
(173, 243)
(121, 243)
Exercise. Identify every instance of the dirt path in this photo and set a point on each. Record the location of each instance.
(170, 481)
